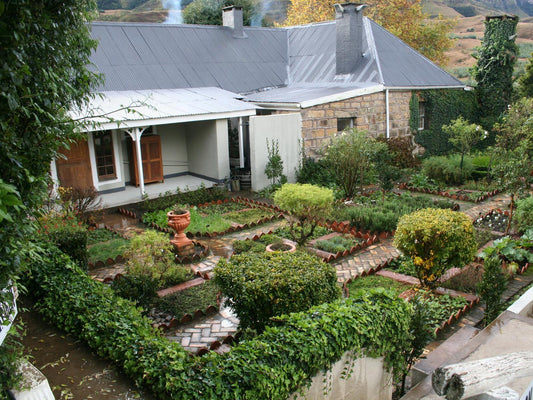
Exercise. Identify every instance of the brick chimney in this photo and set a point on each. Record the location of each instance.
(349, 26)
(232, 18)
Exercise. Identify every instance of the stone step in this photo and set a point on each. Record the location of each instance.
(441, 354)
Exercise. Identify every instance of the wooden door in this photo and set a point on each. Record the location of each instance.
(152, 160)
(75, 170)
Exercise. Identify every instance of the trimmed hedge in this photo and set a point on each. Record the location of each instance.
(272, 366)
(266, 285)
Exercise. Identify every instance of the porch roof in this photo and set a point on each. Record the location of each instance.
(136, 108)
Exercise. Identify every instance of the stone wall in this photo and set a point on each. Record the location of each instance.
(319, 123)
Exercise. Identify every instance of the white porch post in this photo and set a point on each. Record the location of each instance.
(136, 134)
(241, 144)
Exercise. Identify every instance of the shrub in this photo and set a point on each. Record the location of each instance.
(402, 150)
(151, 254)
(274, 166)
(337, 244)
(65, 231)
(523, 218)
(491, 288)
(304, 204)
(481, 164)
(189, 300)
(315, 172)
(140, 289)
(271, 284)
(447, 170)
(350, 158)
(272, 366)
(436, 240)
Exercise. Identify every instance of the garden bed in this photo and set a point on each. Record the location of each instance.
(105, 247)
(473, 196)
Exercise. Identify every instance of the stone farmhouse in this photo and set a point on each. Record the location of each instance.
(207, 98)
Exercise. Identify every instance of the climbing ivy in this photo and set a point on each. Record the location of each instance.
(442, 106)
(494, 69)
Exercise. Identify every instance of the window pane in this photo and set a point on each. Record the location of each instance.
(105, 161)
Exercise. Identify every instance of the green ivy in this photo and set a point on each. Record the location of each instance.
(272, 366)
(442, 106)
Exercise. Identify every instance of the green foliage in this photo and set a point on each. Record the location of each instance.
(337, 244)
(443, 106)
(272, 366)
(194, 197)
(375, 281)
(463, 136)
(65, 231)
(151, 254)
(414, 112)
(492, 287)
(481, 164)
(140, 289)
(494, 69)
(271, 284)
(304, 204)
(274, 166)
(209, 12)
(525, 82)
(189, 300)
(109, 249)
(524, 214)
(109, 4)
(350, 157)
(12, 352)
(447, 169)
(402, 152)
(422, 181)
(100, 235)
(436, 240)
(45, 50)
(511, 250)
(249, 216)
(315, 172)
(375, 216)
(199, 223)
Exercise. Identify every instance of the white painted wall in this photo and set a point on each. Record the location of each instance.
(207, 146)
(286, 128)
(174, 148)
(368, 381)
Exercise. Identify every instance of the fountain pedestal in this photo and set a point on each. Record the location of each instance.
(179, 220)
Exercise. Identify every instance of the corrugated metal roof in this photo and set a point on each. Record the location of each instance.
(163, 106)
(136, 56)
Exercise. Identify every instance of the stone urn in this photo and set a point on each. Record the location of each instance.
(179, 220)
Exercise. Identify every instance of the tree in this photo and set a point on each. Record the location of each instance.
(491, 287)
(304, 204)
(494, 69)
(513, 152)
(404, 18)
(436, 240)
(463, 136)
(274, 167)
(525, 83)
(209, 12)
(44, 48)
(350, 157)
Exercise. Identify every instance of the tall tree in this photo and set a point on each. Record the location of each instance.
(494, 69)
(44, 48)
(404, 18)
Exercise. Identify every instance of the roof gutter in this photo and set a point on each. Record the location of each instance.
(278, 106)
(423, 87)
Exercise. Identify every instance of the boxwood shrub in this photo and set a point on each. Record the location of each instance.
(272, 366)
(267, 284)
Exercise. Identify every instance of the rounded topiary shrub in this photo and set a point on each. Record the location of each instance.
(436, 240)
(523, 218)
(261, 286)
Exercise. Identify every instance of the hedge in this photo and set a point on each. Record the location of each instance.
(272, 366)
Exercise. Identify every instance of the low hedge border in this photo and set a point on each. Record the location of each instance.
(273, 365)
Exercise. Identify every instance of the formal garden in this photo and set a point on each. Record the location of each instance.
(454, 200)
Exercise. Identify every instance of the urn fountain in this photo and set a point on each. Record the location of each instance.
(179, 220)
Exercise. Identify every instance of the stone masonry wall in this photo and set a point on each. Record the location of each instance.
(319, 123)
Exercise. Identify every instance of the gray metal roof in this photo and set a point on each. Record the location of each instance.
(113, 109)
(301, 59)
(136, 56)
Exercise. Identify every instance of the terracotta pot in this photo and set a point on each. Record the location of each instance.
(283, 247)
(179, 220)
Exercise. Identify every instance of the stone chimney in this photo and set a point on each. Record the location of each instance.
(232, 18)
(349, 26)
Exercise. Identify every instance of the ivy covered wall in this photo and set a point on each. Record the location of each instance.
(442, 106)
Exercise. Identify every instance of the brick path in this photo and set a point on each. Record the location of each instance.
(213, 332)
